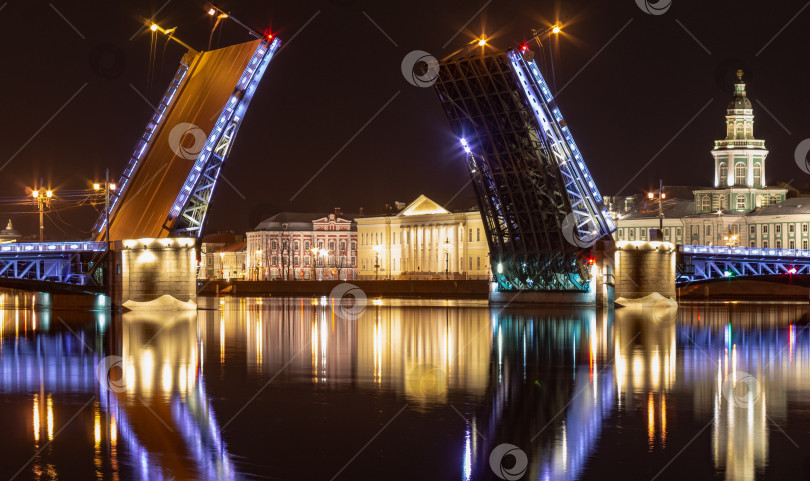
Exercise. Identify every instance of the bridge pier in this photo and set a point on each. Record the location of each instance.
(146, 269)
(644, 267)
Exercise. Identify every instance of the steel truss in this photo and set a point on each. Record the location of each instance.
(62, 262)
(187, 216)
(702, 263)
(526, 171)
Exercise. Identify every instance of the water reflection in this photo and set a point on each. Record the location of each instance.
(579, 391)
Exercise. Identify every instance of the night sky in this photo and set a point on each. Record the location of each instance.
(655, 89)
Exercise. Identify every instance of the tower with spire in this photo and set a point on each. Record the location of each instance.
(739, 164)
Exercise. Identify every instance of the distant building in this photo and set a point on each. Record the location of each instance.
(423, 240)
(223, 256)
(9, 234)
(739, 210)
(303, 246)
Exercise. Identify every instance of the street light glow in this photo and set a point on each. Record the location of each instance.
(112, 186)
(154, 27)
(35, 194)
(49, 193)
(211, 11)
(482, 43)
(650, 195)
(556, 29)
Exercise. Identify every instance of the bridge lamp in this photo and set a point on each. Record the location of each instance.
(153, 27)
(556, 29)
(212, 11)
(35, 194)
(49, 193)
(650, 195)
(482, 43)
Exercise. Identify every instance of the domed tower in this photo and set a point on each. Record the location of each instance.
(739, 163)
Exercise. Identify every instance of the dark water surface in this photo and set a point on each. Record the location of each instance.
(284, 389)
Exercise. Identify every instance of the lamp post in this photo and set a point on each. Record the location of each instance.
(377, 249)
(107, 188)
(313, 260)
(43, 199)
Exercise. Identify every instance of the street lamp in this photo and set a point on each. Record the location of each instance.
(258, 262)
(661, 197)
(377, 249)
(43, 199)
(107, 188)
(313, 260)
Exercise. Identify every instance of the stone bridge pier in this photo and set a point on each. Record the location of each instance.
(644, 267)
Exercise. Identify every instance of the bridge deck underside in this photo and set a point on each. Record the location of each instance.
(154, 186)
(520, 191)
(696, 268)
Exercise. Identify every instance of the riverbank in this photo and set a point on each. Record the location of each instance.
(458, 289)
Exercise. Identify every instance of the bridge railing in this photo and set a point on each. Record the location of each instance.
(51, 247)
(744, 251)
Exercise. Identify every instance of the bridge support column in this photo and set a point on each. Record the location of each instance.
(643, 268)
(146, 269)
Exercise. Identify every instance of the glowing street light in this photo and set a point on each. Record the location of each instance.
(42, 197)
(377, 249)
(154, 27)
(482, 43)
(556, 29)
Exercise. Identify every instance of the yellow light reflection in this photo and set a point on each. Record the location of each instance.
(113, 431)
(36, 417)
(50, 417)
(663, 420)
(166, 378)
(97, 427)
(650, 421)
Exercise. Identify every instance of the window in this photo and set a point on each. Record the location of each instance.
(274, 261)
(791, 228)
(296, 260)
(778, 228)
(764, 244)
(778, 244)
(678, 232)
(740, 201)
(621, 234)
(307, 261)
(757, 174)
(723, 202)
(469, 239)
(354, 261)
(320, 244)
(632, 234)
(706, 203)
(739, 174)
(666, 232)
(354, 246)
(708, 231)
(477, 234)
(804, 228)
(643, 235)
(804, 244)
(753, 244)
(764, 229)
(723, 174)
(306, 246)
(342, 245)
(296, 246)
(753, 230)
(274, 245)
(739, 131)
(331, 245)
(395, 237)
(791, 244)
(470, 261)
(774, 200)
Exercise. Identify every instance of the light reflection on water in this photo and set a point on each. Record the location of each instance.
(284, 388)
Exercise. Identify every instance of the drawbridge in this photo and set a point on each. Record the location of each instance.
(540, 206)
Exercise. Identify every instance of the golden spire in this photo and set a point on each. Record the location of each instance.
(740, 74)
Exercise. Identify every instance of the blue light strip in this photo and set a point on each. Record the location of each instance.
(579, 183)
(255, 70)
(145, 141)
(52, 247)
(745, 251)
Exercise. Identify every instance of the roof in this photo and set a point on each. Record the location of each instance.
(795, 205)
(671, 208)
(299, 221)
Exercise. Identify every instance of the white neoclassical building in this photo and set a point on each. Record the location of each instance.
(740, 209)
(423, 240)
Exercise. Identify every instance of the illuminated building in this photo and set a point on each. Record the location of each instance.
(223, 256)
(422, 240)
(303, 246)
(739, 210)
(9, 234)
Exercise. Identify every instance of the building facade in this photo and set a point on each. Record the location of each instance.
(9, 234)
(739, 210)
(223, 256)
(423, 241)
(303, 246)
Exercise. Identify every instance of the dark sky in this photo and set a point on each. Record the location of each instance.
(624, 104)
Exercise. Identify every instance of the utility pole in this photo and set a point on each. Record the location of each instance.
(660, 205)
(43, 199)
(107, 209)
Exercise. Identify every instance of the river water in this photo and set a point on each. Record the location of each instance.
(300, 389)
